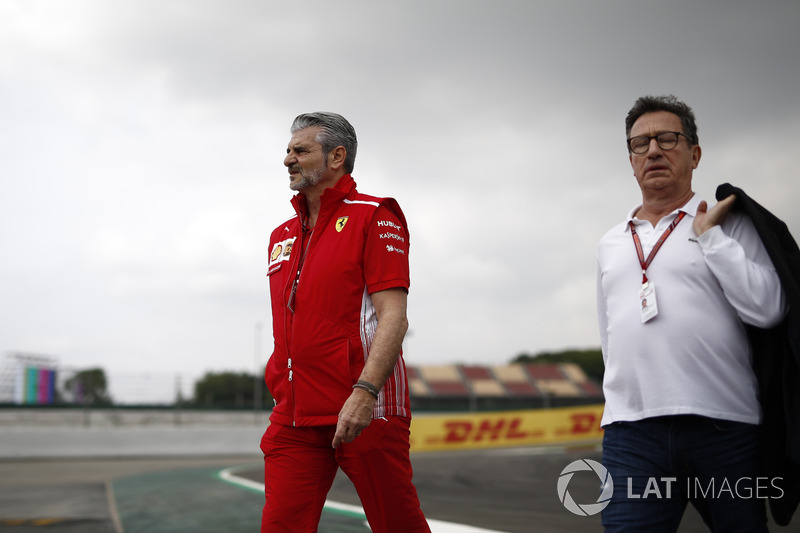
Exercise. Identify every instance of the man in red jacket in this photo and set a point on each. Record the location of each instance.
(338, 274)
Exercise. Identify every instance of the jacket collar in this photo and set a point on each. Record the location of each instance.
(330, 197)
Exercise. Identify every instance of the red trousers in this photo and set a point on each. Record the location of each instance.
(300, 465)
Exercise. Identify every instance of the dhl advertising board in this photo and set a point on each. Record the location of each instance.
(506, 428)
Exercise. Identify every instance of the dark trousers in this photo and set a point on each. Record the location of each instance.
(660, 464)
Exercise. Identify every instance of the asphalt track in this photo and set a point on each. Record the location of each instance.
(503, 490)
(509, 490)
(207, 479)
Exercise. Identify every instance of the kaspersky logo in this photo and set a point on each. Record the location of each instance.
(586, 509)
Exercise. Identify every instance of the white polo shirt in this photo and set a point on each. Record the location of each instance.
(694, 356)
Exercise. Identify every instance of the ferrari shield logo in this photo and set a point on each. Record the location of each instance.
(340, 223)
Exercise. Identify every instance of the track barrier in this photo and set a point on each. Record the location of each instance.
(430, 432)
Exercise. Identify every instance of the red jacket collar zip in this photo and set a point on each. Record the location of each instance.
(331, 196)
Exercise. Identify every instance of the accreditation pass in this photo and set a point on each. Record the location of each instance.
(647, 298)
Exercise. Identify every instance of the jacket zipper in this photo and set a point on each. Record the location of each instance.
(290, 303)
(290, 306)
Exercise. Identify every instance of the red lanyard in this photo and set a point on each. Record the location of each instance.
(654, 251)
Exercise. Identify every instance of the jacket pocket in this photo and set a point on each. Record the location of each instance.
(275, 377)
(355, 358)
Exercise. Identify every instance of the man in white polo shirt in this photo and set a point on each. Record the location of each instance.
(677, 282)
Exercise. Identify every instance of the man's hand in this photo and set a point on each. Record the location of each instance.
(356, 414)
(705, 220)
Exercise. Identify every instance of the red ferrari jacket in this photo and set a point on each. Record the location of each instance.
(323, 320)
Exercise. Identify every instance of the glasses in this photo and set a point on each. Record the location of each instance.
(666, 141)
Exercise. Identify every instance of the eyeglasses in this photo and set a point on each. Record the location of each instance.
(666, 140)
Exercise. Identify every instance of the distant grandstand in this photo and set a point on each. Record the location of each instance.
(28, 379)
(514, 386)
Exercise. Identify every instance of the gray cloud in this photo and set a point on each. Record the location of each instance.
(142, 147)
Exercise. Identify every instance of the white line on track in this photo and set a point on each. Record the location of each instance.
(437, 526)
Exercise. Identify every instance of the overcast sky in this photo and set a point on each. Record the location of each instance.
(142, 145)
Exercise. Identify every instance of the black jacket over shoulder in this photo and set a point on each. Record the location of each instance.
(776, 361)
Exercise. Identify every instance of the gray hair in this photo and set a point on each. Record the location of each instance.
(651, 104)
(334, 131)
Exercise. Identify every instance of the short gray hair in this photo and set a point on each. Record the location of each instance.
(334, 131)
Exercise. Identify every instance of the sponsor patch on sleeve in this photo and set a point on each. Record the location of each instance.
(392, 236)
